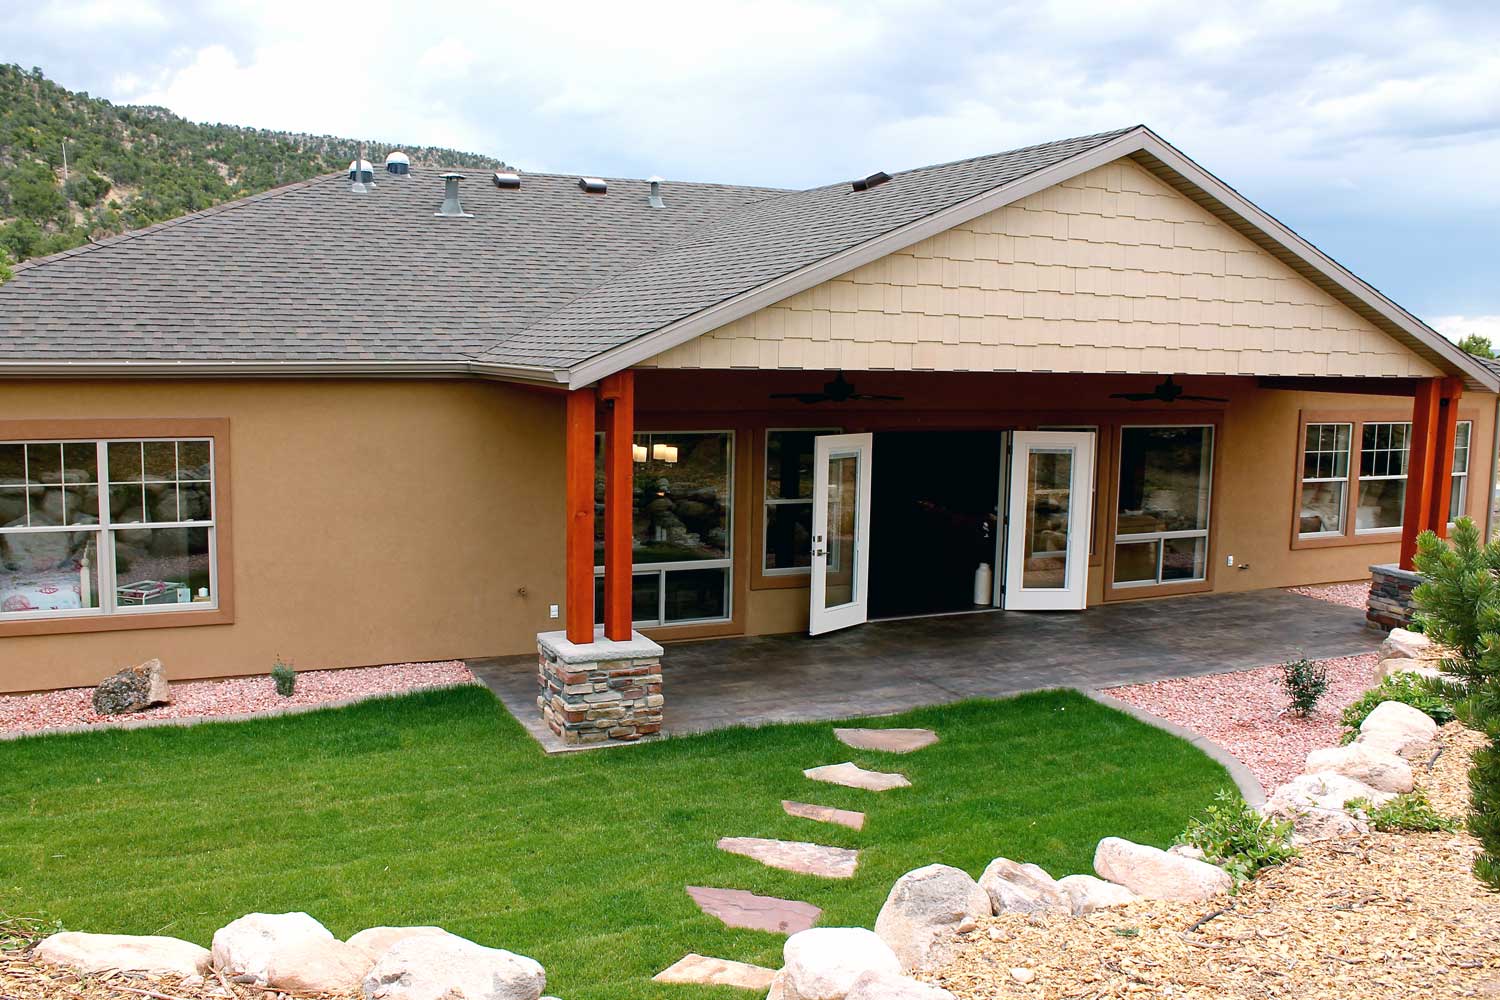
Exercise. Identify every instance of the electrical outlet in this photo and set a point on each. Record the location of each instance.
(1229, 561)
(552, 611)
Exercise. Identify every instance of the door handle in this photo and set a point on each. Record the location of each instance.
(820, 553)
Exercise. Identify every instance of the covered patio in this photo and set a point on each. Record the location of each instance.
(892, 666)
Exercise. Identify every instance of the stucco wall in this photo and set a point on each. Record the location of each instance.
(373, 522)
(1111, 271)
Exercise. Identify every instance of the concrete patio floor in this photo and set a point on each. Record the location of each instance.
(891, 666)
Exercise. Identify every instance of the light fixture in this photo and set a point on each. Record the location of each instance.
(638, 452)
(664, 453)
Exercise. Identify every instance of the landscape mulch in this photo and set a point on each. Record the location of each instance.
(1393, 914)
(23, 979)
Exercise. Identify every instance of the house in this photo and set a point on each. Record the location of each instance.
(392, 417)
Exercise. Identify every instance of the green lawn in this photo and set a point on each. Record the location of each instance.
(436, 808)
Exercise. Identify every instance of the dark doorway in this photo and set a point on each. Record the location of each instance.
(932, 519)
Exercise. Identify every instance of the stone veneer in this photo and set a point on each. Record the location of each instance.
(1390, 596)
(600, 692)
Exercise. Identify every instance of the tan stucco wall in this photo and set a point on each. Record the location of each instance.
(373, 522)
(1111, 271)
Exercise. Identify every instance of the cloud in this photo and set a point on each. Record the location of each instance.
(1456, 328)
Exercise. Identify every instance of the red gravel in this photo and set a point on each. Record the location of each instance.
(29, 713)
(1245, 713)
(1351, 595)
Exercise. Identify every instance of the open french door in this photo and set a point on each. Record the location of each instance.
(840, 532)
(1051, 507)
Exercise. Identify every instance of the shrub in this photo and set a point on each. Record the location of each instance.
(1412, 812)
(1460, 606)
(1237, 838)
(1409, 689)
(1304, 682)
(285, 677)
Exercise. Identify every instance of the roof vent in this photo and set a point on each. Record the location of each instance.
(507, 179)
(876, 179)
(397, 163)
(361, 175)
(654, 198)
(451, 208)
(592, 185)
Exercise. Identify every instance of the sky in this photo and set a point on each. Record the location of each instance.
(1372, 128)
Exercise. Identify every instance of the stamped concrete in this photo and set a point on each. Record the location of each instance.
(795, 856)
(824, 814)
(887, 740)
(893, 666)
(738, 908)
(851, 775)
(700, 970)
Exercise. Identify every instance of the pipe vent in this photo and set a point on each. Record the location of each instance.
(451, 208)
(654, 199)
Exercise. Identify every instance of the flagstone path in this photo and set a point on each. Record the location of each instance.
(700, 969)
(824, 814)
(851, 775)
(795, 856)
(738, 908)
(887, 740)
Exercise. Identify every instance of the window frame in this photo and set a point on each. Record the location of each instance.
(1348, 478)
(109, 616)
(767, 502)
(1460, 480)
(1158, 585)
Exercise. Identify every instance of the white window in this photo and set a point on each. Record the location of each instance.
(788, 502)
(108, 527)
(1325, 479)
(1161, 525)
(1383, 453)
(1458, 505)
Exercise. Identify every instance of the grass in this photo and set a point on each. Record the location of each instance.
(436, 808)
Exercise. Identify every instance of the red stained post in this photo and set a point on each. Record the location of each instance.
(619, 502)
(579, 498)
(1420, 465)
(1442, 455)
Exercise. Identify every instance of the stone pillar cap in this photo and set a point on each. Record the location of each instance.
(557, 646)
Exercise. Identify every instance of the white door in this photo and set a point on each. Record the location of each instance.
(1051, 505)
(840, 532)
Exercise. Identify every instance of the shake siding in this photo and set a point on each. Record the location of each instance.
(1111, 271)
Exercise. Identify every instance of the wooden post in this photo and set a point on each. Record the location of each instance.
(1420, 465)
(1442, 455)
(619, 502)
(579, 498)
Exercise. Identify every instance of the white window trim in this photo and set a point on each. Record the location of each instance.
(104, 569)
(1360, 477)
(1347, 478)
(1161, 537)
(769, 502)
(1461, 479)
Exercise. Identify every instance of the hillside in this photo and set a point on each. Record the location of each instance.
(129, 167)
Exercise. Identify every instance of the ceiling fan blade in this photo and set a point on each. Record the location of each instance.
(802, 397)
(876, 396)
(1134, 397)
(1205, 399)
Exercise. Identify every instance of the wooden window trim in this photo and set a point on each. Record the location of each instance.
(142, 427)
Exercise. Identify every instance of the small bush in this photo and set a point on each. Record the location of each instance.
(1412, 812)
(1237, 838)
(1409, 689)
(285, 677)
(1304, 682)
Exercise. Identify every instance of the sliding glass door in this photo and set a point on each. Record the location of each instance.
(1162, 507)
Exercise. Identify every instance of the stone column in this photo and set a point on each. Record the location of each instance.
(1390, 596)
(600, 692)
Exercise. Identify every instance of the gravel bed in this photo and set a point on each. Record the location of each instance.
(1350, 595)
(1390, 915)
(1244, 711)
(73, 707)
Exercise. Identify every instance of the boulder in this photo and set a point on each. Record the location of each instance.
(1402, 665)
(1154, 874)
(824, 962)
(434, 967)
(1394, 726)
(921, 914)
(1380, 769)
(1324, 790)
(1186, 851)
(1087, 893)
(1404, 644)
(884, 986)
(287, 951)
(1017, 888)
(149, 956)
(376, 941)
(133, 689)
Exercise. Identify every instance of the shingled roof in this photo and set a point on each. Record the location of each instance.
(546, 282)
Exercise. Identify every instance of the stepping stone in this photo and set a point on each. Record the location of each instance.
(795, 856)
(825, 814)
(705, 971)
(889, 740)
(738, 908)
(854, 776)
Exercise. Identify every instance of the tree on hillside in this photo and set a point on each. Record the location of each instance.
(1478, 346)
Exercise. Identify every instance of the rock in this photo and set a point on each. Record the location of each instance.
(884, 986)
(887, 740)
(1314, 803)
(738, 908)
(287, 951)
(133, 689)
(1405, 644)
(921, 916)
(704, 971)
(1087, 893)
(1380, 769)
(795, 856)
(439, 967)
(376, 941)
(852, 775)
(824, 963)
(1186, 851)
(149, 956)
(1394, 726)
(1402, 665)
(1023, 975)
(778, 987)
(1155, 874)
(1018, 888)
(824, 814)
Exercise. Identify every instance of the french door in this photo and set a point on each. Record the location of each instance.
(840, 532)
(1051, 506)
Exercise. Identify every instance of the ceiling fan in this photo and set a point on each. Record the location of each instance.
(840, 390)
(1168, 392)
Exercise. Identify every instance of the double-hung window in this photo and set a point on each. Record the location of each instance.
(94, 528)
(1459, 502)
(788, 501)
(1325, 479)
(1384, 448)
